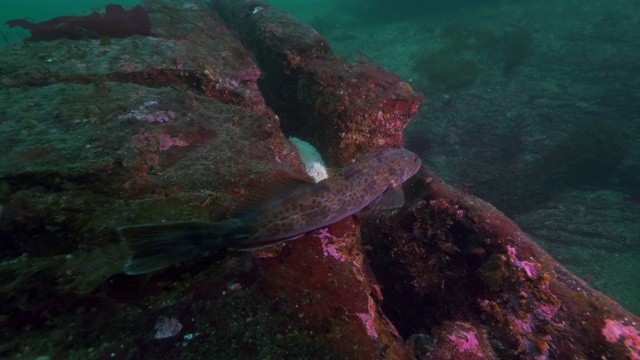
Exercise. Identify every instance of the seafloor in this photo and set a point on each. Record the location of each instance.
(537, 116)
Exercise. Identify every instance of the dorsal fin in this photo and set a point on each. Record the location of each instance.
(272, 190)
(350, 170)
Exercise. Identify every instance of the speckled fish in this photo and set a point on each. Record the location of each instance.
(287, 210)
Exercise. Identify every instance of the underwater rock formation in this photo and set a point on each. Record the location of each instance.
(452, 257)
(143, 129)
(147, 129)
(343, 109)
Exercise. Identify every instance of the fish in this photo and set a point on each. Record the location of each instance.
(284, 211)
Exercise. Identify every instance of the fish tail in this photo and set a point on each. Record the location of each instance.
(157, 246)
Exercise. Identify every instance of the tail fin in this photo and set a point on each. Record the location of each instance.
(156, 246)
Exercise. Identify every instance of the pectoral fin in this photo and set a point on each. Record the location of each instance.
(392, 198)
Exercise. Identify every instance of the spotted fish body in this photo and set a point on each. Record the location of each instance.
(313, 206)
(293, 208)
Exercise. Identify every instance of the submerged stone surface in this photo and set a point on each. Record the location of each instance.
(153, 129)
(175, 127)
(456, 258)
(343, 109)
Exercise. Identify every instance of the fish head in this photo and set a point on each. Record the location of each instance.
(406, 163)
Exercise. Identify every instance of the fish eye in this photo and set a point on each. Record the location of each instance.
(415, 159)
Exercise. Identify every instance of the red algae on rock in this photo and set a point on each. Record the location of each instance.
(457, 258)
(339, 294)
(343, 109)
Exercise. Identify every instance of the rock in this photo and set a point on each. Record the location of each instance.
(453, 340)
(451, 257)
(154, 129)
(311, 296)
(343, 109)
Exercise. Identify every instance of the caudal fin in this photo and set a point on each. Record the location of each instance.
(157, 246)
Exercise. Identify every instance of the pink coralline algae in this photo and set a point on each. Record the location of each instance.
(614, 331)
(528, 267)
(368, 318)
(545, 311)
(453, 340)
(466, 342)
(328, 247)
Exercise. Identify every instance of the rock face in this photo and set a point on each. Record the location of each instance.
(343, 109)
(453, 263)
(180, 126)
(174, 127)
(115, 22)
